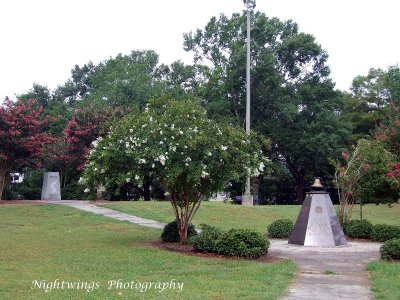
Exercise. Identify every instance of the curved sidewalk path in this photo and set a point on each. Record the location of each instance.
(322, 273)
(89, 207)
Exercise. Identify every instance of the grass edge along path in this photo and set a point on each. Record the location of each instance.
(54, 242)
(385, 278)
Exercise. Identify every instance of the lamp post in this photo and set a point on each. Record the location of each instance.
(247, 198)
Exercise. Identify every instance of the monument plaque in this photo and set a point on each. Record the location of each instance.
(317, 223)
(51, 186)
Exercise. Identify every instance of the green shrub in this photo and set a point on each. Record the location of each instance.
(170, 233)
(30, 193)
(280, 228)
(74, 190)
(383, 232)
(207, 240)
(358, 229)
(243, 243)
(391, 249)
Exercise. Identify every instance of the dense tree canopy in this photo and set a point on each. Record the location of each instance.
(294, 103)
(128, 80)
(293, 99)
(370, 99)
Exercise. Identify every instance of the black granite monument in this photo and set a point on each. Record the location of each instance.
(317, 224)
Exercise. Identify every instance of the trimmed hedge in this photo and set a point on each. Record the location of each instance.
(235, 242)
(243, 243)
(280, 228)
(358, 229)
(207, 240)
(383, 232)
(170, 233)
(391, 249)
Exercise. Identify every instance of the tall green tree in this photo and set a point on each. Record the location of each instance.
(124, 80)
(181, 81)
(293, 100)
(370, 100)
(129, 81)
(40, 93)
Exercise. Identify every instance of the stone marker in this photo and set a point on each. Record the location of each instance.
(317, 223)
(51, 186)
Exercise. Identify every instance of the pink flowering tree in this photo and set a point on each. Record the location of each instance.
(394, 176)
(67, 155)
(362, 175)
(23, 135)
(388, 133)
(175, 144)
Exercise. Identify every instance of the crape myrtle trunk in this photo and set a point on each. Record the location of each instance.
(184, 210)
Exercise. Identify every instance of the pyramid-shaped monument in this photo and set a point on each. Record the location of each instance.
(317, 224)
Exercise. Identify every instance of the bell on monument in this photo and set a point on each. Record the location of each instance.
(317, 224)
(317, 186)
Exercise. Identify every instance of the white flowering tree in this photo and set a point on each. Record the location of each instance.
(174, 143)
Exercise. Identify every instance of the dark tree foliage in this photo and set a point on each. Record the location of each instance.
(293, 100)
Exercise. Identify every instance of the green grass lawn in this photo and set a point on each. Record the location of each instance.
(259, 217)
(385, 277)
(219, 214)
(51, 242)
(379, 214)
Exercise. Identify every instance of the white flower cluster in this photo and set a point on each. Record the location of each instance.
(204, 174)
(161, 159)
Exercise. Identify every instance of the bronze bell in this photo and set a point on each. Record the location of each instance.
(317, 186)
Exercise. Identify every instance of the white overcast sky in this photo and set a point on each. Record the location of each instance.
(42, 40)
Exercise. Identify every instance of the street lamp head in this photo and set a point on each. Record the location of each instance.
(250, 4)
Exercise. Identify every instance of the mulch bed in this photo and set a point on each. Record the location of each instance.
(187, 249)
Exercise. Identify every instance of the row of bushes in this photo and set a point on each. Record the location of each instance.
(364, 229)
(355, 228)
(389, 234)
(251, 244)
(235, 242)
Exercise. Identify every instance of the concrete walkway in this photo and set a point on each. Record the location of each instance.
(322, 273)
(329, 273)
(89, 207)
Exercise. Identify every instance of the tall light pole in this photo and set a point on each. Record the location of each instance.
(247, 198)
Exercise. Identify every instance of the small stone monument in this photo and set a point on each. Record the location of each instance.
(317, 224)
(51, 186)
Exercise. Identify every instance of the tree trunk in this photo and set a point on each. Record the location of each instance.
(146, 190)
(299, 175)
(3, 174)
(183, 232)
(300, 188)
